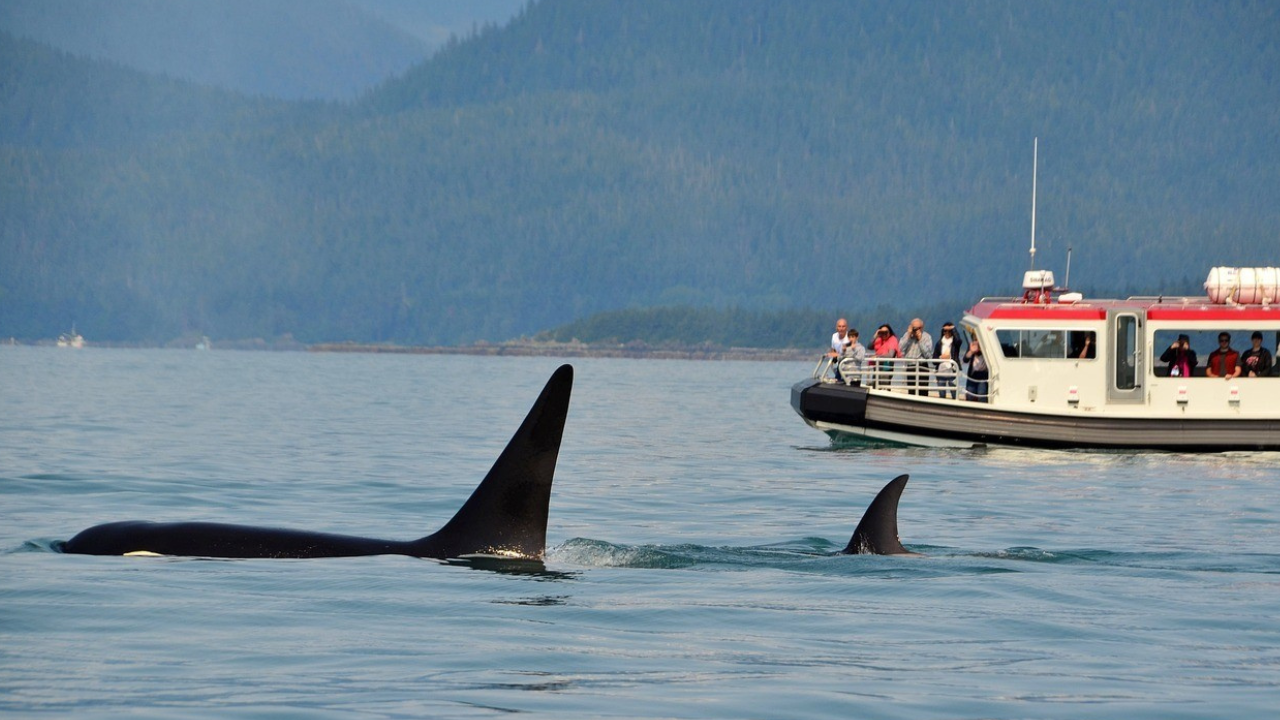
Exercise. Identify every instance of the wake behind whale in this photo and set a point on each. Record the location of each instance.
(875, 534)
(506, 515)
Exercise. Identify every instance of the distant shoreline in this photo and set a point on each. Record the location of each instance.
(632, 350)
(574, 350)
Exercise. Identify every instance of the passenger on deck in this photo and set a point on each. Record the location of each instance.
(840, 340)
(856, 354)
(976, 384)
(1256, 361)
(1181, 358)
(948, 351)
(1223, 362)
(917, 348)
(885, 345)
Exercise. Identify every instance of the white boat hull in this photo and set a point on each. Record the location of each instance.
(858, 413)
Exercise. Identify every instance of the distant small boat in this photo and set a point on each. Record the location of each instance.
(72, 339)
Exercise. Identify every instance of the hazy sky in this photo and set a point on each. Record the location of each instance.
(297, 49)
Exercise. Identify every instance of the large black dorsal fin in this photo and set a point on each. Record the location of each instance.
(877, 533)
(507, 513)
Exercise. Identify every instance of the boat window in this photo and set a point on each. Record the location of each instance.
(1203, 342)
(1047, 344)
(1082, 344)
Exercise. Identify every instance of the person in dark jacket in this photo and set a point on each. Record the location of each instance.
(1181, 358)
(978, 382)
(949, 347)
(1256, 361)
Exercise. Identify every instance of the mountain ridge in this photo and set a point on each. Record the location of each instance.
(286, 49)
(590, 157)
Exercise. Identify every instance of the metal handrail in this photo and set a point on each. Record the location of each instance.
(896, 375)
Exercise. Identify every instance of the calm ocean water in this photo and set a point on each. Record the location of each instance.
(688, 574)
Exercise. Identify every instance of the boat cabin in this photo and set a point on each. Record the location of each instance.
(1068, 352)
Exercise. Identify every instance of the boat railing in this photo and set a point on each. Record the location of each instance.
(929, 377)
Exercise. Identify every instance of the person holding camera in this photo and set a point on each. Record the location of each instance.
(917, 348)
(885, 345)
(977, 382)
(1181, 358)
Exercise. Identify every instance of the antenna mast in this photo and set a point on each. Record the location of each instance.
(1035, 162)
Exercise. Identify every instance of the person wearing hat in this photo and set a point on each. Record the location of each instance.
(1256, 361)
(1181, 358)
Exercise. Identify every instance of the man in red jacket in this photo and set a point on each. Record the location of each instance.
(1223, 362)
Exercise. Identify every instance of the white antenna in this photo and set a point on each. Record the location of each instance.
(1035, 161)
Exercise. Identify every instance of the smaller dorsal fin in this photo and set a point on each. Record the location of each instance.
(877, 533)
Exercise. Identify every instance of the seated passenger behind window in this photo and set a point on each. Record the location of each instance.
(1224, 362)
(1256, 361)
(1181, 358)
(1089, 349)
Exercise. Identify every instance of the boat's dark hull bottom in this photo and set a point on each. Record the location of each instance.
(853, 413)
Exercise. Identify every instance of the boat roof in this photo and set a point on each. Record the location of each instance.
(1163, 308)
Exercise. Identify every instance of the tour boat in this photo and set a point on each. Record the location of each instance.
(1045, 389)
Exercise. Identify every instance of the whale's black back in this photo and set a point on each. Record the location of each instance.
(505, 515)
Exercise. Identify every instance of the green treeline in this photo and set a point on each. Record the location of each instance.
(599, 156)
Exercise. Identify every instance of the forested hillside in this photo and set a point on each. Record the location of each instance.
(594, 156)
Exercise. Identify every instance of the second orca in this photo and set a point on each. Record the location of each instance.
(877, 532)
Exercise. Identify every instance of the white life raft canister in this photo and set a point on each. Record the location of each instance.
(1243, 285)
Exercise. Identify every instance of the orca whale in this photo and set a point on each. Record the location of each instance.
(506, 515)
(877, 532)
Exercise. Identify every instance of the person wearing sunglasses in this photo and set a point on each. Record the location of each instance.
(1225, 361)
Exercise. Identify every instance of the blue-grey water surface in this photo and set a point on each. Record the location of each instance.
(688, 573)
